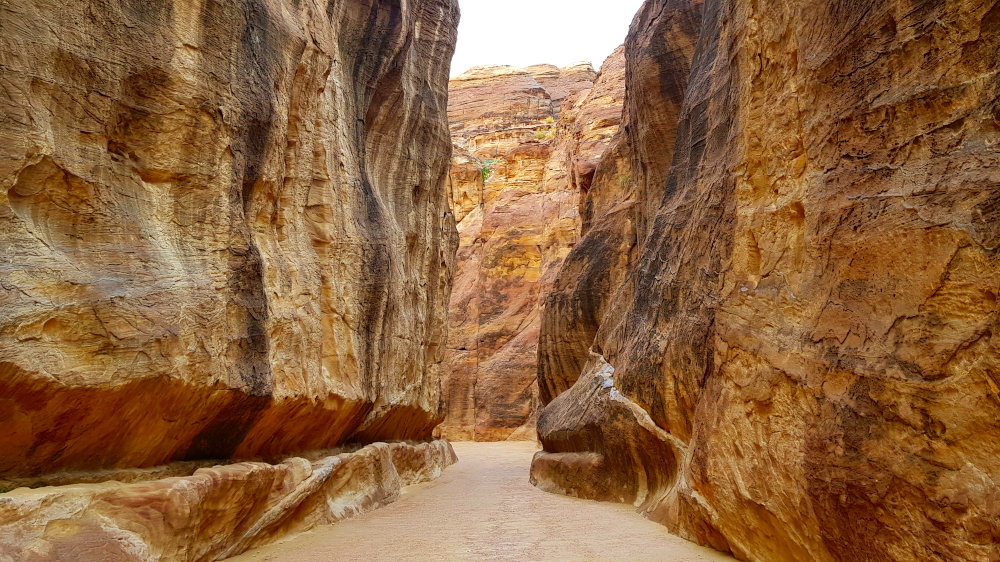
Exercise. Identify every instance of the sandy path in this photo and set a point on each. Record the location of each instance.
(483, 508)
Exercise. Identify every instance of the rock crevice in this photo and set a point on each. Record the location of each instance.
(526, 143)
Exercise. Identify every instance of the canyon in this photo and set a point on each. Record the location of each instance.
(526, 142)
(261, 260)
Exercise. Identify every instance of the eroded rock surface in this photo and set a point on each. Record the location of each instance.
(622, 194)
(806, 330)
(226, 232)
(523, 154)
(562, 83)
(214, 513)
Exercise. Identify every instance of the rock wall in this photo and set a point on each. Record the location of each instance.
(226, 229)
(621, 193)
(192, 517)
(798, 360)
(562, 83)
(526, 144)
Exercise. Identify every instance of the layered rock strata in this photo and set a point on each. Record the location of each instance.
(214, 513)
(562, 83)
(798, 359)
(520, 163)
(226, 232)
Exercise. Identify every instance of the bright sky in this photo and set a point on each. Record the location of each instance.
(526, 32)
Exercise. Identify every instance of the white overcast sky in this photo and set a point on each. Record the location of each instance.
(526, 32)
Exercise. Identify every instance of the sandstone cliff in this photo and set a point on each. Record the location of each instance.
(798, 361)
(526, 144)
(562, 83)
(226, 232)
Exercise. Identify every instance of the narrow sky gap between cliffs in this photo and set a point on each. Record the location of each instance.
(521, 33)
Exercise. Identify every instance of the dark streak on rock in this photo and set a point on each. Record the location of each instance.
(258, 59)
(667, 285)
(158, 13)
(220, 437)
(376, 68)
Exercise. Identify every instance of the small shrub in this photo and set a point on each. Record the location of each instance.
(545, 133)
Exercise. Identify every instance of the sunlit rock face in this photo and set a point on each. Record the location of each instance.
(798, 358)
(226, 230)
(524, 152)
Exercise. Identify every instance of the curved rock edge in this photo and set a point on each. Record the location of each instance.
(215, 513)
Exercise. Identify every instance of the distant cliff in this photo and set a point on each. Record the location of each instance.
(526, 144)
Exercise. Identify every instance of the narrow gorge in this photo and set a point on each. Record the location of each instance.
(263, 261)
(526, 142)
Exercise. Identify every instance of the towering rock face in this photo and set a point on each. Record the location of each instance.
(520, 163)
(798, 361)
(226, 232)
(226, 235)
(616, 209)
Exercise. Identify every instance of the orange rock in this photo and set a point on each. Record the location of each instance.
(808, 324)
(226, 232)
(518, 168)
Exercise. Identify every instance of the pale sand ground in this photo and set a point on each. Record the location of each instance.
(483, 508)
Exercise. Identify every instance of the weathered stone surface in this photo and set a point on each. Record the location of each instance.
(516, 176)
(616, 190)
(625, 457)
(496, 113)
(810, 320)
(225, 228)
(585, 132)
(562, 83)
(214, 513)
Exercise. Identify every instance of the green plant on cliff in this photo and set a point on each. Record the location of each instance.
(487, 168)
(546, 133)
